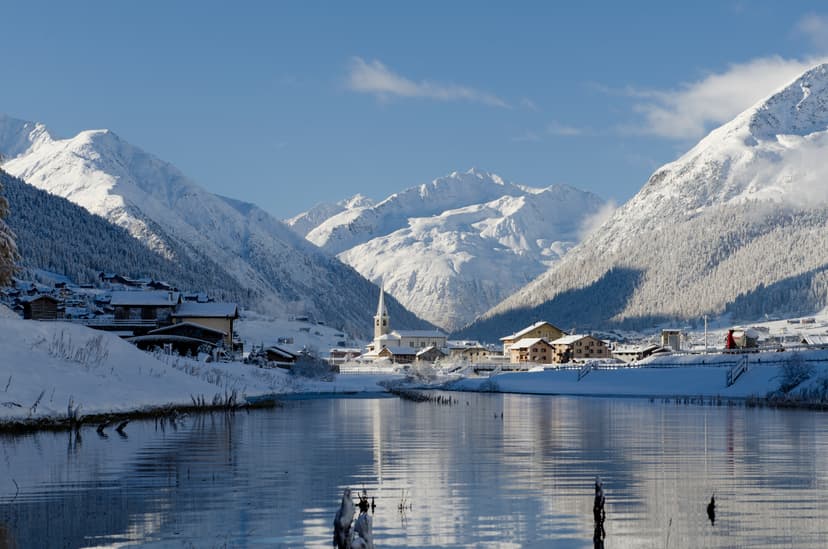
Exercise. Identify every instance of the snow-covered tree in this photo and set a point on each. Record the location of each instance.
(8, 248)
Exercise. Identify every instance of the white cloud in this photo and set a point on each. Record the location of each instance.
(556, 128)
(690, 111)
(377, 79)
(597, 219)
(815, 28)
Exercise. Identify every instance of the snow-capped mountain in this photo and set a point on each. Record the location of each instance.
(452, 248)
(305, 222)
(172, 215)
(738, 225)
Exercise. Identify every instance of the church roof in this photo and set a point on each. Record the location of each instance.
(381, 310)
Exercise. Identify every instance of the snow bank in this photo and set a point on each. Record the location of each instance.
(693, 375)
(45, 366)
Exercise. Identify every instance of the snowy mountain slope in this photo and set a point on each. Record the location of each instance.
(47, 226)
(450, 249)
(736, 225)
(305, 222)
(161, 207)
(357, 225)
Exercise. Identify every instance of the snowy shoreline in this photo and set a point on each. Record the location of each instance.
(55, 374)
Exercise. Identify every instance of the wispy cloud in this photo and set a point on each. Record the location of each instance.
(527, 103)
(814, 27)
(526, 137)
(375, 78)
(690, 110)
(556, 128)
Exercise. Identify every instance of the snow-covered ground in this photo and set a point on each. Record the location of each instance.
(667, 376)
(48, 367)
(256, 329)
(45, 366)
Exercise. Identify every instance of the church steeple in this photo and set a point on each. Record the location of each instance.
(381, 321)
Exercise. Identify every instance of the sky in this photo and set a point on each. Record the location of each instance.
(289, 104)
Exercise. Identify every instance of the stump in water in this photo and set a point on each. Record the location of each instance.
(711, 510)
(599, 515)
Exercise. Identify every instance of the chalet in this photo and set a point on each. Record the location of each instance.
(631, 353)
(430, 354)
(398, 355)
(159, 285)
(279, 355)
(40, 307)
(339, 355)
(540, 329)
(150, 307)
(468, 350)
(577, 347)
(184, 338)
(219, 316)
(531, 349)
(114, 278)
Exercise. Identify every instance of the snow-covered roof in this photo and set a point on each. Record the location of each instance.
(527, 342)
(157, 298)
(815, 340)
(419, 333)
(29, 299)
(526, 330)
(179, 325)
(280, 352)
(570, 339)
(399, 351)
(430, 349)
(456, 344)
(207, 310)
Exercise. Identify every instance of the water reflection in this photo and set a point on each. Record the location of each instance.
(502, 470)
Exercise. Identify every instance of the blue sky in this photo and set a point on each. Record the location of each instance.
(287, 104)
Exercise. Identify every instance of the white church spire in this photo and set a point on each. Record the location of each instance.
(381, 321)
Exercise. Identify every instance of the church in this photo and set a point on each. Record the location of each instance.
(397, 344)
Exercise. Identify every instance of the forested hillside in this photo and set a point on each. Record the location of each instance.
(57, 235)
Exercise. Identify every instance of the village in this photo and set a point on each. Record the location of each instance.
(154, 315)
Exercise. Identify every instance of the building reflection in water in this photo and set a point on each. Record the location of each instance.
(505, 470)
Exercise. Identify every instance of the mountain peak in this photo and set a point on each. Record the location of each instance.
(17, 136)
(800, 108)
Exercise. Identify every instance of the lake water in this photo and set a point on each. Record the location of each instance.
(466, 476)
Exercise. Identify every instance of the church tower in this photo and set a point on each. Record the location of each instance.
(381, 323)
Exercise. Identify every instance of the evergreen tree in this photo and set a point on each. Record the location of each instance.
(8, 248)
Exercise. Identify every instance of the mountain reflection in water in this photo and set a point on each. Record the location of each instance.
(442, 476)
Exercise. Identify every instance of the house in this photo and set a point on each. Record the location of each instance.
(40, 307)
(531, 349)
(672, 339)
(630, 353)
(340, 355)
(398, 355)
(430, 354)
(114, 278)
(578, 347)
(540, 329)
(219, 316)
(184, 338)
(144, 308)
(471, 351)
(280, 355)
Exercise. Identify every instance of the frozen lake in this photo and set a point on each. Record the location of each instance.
(468, 477)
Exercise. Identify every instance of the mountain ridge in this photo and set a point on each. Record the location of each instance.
(451, 248)
(157, 204)
(729, 228)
